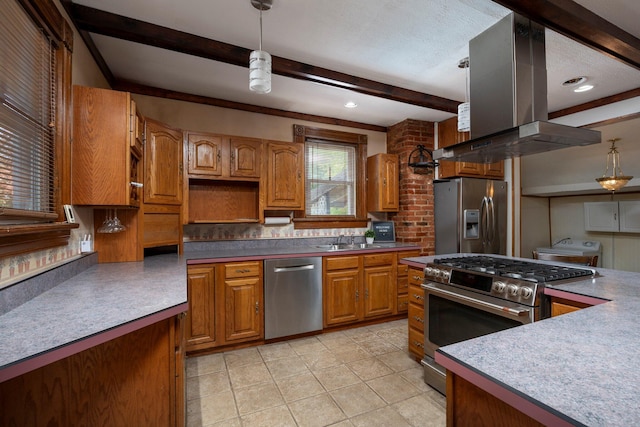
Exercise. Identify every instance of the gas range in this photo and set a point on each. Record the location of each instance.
(509, 279)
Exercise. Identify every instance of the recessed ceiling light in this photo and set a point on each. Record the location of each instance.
(575, 81)
(350, 104)
(583, 88)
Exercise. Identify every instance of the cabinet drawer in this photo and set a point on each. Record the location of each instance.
(379, 259)
(416, 317)
(403, 285)
(416, 294)
(416, 276)
(241, 269)
(403, 269)
(341, 263)
(403, 303)
(416, 343)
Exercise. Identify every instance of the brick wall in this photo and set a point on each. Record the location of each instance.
(414, 220)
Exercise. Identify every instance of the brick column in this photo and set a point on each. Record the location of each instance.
(414, 220)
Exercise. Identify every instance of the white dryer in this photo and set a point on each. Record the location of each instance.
(571, 246)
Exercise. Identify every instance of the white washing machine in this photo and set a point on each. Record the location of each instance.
(571, 246)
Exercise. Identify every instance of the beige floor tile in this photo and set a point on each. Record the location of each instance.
(282, 368)
(393, 388)
(336, 342)
(234, 422)
(416, 377)
(351, 354)
(399, 361)
(377, 346)
(207, 384)
(317, 411)
(383, 417)
(257, 397)
(245, 356)
(211, 409)
(276, 351)
(336, 377)
(369, 368)
(392, 336)
(299, 387)
(205, 364)
(278, 416)
(248, 375)
(421, 411)
(345, 423)
(307, 345)
(362, 335)
(357, 399)
(320, 360)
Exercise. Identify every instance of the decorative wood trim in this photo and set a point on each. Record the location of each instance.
(314, 223)
(20, 239)
(633, 93)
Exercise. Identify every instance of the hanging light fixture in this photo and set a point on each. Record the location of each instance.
(259, 60)
(617, 179)
(421, 160)
(464, 109)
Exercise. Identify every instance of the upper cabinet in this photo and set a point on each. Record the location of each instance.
(222, 157)
(285, 175)
(106, 151)
(163, 164)
(382, 183)
(622, 216)
(448, 135)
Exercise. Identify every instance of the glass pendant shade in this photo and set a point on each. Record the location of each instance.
(260, 71)
(617, 179)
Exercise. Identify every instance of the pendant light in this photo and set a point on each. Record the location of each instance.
(617, 179)
(259, 60)
(464, 109)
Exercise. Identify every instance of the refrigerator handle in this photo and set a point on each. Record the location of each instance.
(491, 221)
(484, 221)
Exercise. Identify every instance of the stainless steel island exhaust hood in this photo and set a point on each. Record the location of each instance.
(508, 97)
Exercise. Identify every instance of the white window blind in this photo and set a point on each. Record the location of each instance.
(27, 91)
(330, 186)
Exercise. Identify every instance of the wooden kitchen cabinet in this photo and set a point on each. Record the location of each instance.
(106, 155)
(379, 282)
(284, 175)
(383, 183)
(133, 380)
(561, 306)
(225, 304)
(448, 135)
(223, 157)
(402, 280)
(416, 313)
(162, 164)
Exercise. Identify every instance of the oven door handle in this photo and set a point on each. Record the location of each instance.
(477, 303)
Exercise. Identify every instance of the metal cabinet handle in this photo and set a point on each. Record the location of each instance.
(219, 155)
(417, 278)
(418, 344)
(136, 184)
(418, 319)
(244, 270)
(257, 307)
(418, 297)
(366, 293)
(357, 295)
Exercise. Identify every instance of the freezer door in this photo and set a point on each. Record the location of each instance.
(489, 198)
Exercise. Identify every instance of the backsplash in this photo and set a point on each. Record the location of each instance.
(210, 232)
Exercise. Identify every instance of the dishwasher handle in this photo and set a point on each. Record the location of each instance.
(293, 268)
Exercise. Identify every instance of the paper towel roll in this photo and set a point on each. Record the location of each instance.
(277, 220)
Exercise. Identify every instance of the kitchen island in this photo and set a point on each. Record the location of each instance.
(576, 369)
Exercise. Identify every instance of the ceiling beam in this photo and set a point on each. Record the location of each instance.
(580, 24)
(108, 24)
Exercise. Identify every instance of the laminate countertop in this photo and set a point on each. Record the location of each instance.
(579, 368)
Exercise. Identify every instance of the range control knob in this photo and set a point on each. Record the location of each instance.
(525, 292)
(512, 290)
(499, 286)
(446, 274)
(428, 271)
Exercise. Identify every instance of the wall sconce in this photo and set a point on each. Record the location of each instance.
(259, 60)
(617, 179)
(421, 160)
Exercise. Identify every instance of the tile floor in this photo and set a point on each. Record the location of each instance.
(358, 377)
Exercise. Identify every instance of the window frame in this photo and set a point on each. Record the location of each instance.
(24, 238)
(303, 221)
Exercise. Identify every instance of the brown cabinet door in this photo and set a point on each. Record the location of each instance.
(163, 164)
(341, 300)
(245, 157)
(205, 154)
(494, 170)
(285, 175)
(380, 293)
(201, 321)
(382, 183)
(243, 309)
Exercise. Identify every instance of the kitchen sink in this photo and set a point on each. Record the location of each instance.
(347, 247)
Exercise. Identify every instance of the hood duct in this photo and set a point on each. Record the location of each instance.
(508, 96)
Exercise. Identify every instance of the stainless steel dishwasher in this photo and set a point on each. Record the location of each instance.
(292, 296)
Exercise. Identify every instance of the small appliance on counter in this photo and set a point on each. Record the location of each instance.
(577, 247)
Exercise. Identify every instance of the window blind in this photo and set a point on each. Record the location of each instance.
(27, 91)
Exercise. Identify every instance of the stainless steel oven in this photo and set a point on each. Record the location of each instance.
(467, 297)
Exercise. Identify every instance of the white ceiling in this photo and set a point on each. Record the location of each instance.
(412, 44)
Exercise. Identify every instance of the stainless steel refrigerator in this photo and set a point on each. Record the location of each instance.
(470, 216)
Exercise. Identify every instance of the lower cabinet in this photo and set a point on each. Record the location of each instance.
(402, 280)
(416, 313)
(225, 304)
(358, 287)
(133, 380)
(561, 306)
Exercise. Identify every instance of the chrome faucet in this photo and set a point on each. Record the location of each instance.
(339, 239)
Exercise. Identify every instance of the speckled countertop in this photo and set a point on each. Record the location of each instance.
(581, 366)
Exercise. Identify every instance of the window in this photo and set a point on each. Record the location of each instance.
(35, 93)
(330, 185)
(27, 85)
(335, 174)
